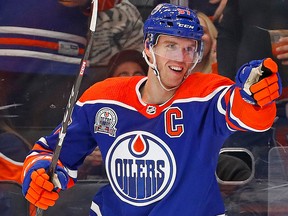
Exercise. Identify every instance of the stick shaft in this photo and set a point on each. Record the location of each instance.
(73, 97)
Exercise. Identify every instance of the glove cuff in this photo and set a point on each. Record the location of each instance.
(247, 98)
(60, 178)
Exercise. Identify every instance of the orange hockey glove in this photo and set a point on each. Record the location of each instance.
(259, 82)
(37, 187)
(40, 192)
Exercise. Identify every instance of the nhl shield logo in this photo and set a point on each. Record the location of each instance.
(105, 121)
(151, 110)
(140, 167)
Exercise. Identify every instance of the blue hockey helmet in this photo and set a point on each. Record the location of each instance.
(173, 20)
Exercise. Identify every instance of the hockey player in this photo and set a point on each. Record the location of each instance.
(160, 136)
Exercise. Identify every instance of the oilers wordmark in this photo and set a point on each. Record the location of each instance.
(131, 173)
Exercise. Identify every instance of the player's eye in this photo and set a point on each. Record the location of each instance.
(171, 46)
(190, 49)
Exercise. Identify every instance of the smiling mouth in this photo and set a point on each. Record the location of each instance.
(176, 68)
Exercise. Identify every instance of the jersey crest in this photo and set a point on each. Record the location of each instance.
(140, 167)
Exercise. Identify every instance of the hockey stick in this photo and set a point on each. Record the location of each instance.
(72, 97)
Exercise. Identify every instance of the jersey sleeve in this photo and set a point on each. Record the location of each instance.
(79, 140)
(78, 143)
(241, 115)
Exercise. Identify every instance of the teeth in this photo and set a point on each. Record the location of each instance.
(176, 68)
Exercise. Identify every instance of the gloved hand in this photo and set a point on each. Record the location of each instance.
(37, 188)
(259, 82)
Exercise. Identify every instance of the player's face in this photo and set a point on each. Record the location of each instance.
(176, 48)
(174, 56)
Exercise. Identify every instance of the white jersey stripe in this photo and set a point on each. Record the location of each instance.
(10, 160)
(96, 209)
(43, 33)
(106, 102)
(40, 55)
(238, 120)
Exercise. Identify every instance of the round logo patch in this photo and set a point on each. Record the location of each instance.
(140, 167)
(105, 121)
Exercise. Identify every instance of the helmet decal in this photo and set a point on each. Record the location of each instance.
(156, 9)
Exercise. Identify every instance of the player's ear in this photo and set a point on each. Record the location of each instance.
(147, 49)
(146, 43)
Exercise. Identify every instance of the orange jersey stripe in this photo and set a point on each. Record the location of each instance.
(10, 170)
(33, 43)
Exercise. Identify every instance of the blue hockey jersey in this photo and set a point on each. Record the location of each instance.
(45, 37)
(160, 159)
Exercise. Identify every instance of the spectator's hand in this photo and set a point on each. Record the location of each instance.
(283, 49)
(259, 82)
(38, 189)
(95, 158)
(218, 14)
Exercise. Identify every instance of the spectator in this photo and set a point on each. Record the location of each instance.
(208, 63)
(118, 28)
(242, 35)
(41, 45)
(283, 50)
(127, 63)
(218, 13)
(158, 134)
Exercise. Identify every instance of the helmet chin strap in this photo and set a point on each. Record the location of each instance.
(156, 71)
